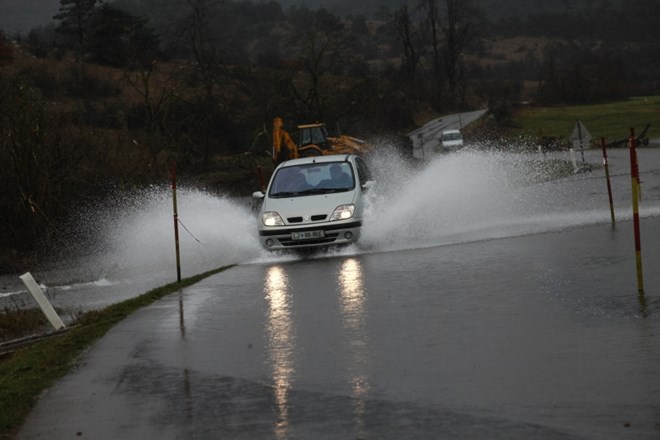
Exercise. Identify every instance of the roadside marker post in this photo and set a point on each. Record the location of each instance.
(176, 221)
(634, 174)
(607, 177)
(41, 299)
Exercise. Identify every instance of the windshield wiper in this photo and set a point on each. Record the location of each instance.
(322, 190)
(286, 194)
(310, 191)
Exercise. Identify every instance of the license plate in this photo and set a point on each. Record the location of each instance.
(306, 235)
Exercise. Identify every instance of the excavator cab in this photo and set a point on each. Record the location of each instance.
(312, 140)
(313, 134)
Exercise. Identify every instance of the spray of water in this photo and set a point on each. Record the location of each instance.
(454, 198)
(467, 196)
(132, 235)
(474, 195)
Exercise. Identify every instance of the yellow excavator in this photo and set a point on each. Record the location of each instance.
(312, 140)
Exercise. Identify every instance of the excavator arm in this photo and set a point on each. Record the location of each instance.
(284, 148)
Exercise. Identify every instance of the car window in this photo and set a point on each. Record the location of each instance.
(336, 175)
(451, 136)
(288, 180)
(363, 171)
(312, 178)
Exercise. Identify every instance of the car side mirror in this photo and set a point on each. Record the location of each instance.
(257, 200)
(368, 184)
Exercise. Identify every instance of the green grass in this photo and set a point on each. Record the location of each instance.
(25, 374)
(611, 120)
(21, 322)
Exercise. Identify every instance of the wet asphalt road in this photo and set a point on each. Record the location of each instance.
(535, 337)
(542, 335)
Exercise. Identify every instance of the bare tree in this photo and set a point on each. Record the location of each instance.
(458, 31)
(322, 49)
(432, 19)
(158, 98)
(450, 31)
(410, 40)
(155, 103)
(202, 43)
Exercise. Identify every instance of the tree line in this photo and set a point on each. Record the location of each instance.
(112, 90)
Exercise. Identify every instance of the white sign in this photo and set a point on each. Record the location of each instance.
(580, 136)
(41, 299)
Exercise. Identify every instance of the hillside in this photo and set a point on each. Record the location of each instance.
(492, 9)
(24, 15)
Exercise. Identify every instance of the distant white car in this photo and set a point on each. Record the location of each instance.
(451, 140)
(314, 202)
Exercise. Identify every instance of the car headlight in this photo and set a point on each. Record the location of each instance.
(272, 218)
(342, 212)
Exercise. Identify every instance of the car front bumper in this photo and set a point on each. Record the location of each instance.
(327, 234)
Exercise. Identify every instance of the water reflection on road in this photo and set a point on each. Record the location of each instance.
(280, 342)
(353, 296)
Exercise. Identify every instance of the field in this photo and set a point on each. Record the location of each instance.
(611, 121)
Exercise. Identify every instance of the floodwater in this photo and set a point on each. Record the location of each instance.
(125, 246)
(482, 302)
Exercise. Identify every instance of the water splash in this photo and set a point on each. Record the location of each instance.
(455, 198)
(124, 246)
(132, 235)
(467, 196)
(476, 195)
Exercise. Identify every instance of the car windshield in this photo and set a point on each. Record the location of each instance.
(451, 136)
(315, 178)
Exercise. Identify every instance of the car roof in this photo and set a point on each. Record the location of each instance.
(317, 159)
(451, 131)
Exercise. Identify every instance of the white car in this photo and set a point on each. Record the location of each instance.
(451, 140)
(314, 202)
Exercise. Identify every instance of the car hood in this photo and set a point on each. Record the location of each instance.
(320, 204)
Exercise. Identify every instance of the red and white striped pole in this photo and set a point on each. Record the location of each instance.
(607, 177)
(634, 174)
(176, 221)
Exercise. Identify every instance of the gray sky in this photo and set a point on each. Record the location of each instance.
(23, 15)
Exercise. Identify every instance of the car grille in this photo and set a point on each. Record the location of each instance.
(314, 218)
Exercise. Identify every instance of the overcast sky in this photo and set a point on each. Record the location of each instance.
(23, 15)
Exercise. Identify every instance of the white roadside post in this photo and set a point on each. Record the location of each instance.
(580, 137)
(41, 299)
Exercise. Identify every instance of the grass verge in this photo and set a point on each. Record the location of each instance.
(21, 322)
(609, 120)
(29, 371)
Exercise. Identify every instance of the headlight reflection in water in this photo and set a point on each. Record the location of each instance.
(353, 301)
(280, 342)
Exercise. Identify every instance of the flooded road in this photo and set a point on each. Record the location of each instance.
(485, 306)
(528, 337)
